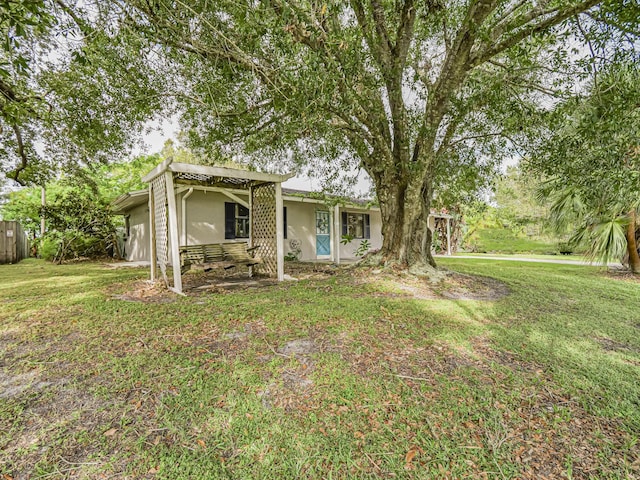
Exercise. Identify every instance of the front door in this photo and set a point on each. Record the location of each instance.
(323, 233)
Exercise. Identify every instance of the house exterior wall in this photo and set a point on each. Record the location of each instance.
(205, 217)
(301, 226)
(136, 244)
(347, 252)
(205, 223)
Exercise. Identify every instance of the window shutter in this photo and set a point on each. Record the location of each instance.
(229, 220)
(284, 220)
(367, 226)
(344, 223)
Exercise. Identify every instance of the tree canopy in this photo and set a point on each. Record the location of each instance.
(591, 156)
(71, 95)
(421, 95)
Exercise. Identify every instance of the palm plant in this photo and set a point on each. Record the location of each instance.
(607, 232)
(591, 159)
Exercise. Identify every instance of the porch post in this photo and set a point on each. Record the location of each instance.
(153, 257)
(332, 237)
(173, 233)
(448, 236)
(251, 219)
(279, 232)
(336, 233)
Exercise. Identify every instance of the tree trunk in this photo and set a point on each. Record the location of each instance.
(391, 197)
(632, 246)
(407, 238)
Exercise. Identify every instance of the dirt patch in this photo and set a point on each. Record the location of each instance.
(452, 286)
(458, 286)
(622, 274)
(613, 346)
(13, 385)
(298, 348)
(145, 292)
(293, 387)
(52, 413)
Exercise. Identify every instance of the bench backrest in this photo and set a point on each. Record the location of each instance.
(213, 252)
(236, 250)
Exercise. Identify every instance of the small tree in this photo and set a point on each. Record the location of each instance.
(592, 159)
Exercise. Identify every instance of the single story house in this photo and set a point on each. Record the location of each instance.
(314, 228)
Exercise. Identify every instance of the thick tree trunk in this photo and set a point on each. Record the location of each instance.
(407, 238)
(391, 197)
(632, 245)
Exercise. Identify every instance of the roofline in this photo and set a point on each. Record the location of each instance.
(116, 204)
(169, 166)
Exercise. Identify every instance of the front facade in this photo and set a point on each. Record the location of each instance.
(313, 230)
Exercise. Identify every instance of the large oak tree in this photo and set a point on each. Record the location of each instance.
(409, 91)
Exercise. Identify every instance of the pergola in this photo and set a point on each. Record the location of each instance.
(169, 179)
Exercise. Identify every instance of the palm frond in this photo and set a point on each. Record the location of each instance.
(567, 208)
(607, 239)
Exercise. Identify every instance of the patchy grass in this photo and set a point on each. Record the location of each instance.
(532, 371)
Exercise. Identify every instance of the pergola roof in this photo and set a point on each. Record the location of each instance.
(188, 174)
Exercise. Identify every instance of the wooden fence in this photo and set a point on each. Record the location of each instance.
(14, 244)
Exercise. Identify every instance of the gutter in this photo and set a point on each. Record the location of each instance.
(184, 215)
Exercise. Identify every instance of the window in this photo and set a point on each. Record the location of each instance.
(236, 221)
(356, 225)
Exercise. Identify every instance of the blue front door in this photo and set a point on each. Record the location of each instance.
(323, 233)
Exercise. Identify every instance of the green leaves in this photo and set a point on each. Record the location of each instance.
(591, 159)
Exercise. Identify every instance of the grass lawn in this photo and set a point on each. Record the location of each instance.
(344, 374)
(503, 240)
(573, 257)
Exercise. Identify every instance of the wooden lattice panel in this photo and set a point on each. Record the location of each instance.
(263, 226)
(159, 189)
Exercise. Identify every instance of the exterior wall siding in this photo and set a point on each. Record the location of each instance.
(347, 252)
(301, 226)
(205, 222)
(136, 245)
(205, 217)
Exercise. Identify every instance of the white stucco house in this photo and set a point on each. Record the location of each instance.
(313, 227)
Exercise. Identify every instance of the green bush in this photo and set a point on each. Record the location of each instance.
(49, 247)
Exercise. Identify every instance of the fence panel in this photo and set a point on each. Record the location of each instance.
(14, 244)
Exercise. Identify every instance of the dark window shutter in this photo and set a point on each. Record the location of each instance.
(229, 220)
(284, 220)
(367, 226)
(344, 223)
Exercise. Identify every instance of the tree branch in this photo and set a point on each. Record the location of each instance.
(496, 48)
(15, 175)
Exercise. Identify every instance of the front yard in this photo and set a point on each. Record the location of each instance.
(533, 372)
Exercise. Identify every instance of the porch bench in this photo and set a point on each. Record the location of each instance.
(233, 254)
(239, 253)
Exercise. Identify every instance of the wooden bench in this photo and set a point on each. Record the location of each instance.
(239, 253)
(234, 254)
